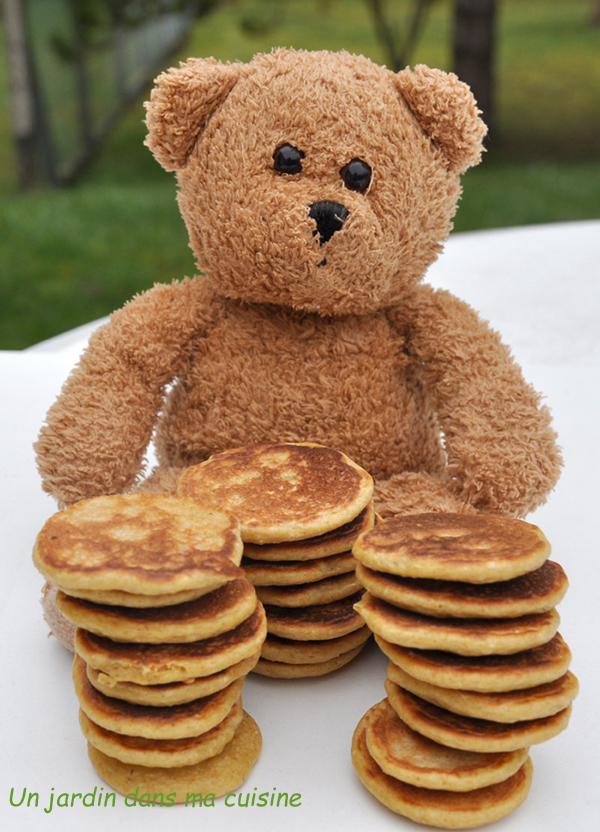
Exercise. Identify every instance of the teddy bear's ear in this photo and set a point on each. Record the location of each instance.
(446, 109)
(181, 104)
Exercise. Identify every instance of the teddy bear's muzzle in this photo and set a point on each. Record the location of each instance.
(329, 216)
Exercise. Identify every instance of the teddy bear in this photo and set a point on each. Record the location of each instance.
(317, 188)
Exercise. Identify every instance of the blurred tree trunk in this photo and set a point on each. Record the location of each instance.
(473, 48)
(595, 16)
(398, 46)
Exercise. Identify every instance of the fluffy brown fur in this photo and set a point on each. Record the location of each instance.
(287, 339)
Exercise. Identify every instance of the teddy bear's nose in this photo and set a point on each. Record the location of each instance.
(329, 216)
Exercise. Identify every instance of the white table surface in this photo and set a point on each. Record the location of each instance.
(540, 287)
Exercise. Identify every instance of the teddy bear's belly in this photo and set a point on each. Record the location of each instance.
(349, 388)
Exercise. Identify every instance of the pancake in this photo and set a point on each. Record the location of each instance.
(281, 491)
(435, 807)
(175, 693)
(267, 573)
(536, 592)
(335, 542)
(402, 753)
(453, 547)
(144, 544)
(466, 636)
(510, 706)
(290, 651)
(304, 595)
(217, 775)
(468, 733)
(155, 664)
(483, 673)
(285, 670)
(164, 753)
(212, 614)
(317, 622)
(117, 598)
(166, 723)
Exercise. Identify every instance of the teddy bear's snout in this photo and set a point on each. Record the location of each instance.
(329, 216)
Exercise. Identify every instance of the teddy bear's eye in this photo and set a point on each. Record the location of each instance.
(356, 175)
(288, 159)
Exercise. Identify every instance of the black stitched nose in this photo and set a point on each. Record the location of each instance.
(329, 216)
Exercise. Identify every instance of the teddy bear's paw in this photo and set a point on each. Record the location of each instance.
(60, 627)
(161, 480)
(413, 493)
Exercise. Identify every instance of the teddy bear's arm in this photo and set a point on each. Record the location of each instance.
(501, 450)
(96, 433)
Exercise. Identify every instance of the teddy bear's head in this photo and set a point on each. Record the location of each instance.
(314, 180)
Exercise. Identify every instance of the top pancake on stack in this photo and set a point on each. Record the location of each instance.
(148, 546)
(281, 492)
(301, 507)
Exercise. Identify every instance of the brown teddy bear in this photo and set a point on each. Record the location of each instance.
(317, 188)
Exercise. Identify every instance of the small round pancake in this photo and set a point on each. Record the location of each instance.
(536, 592)
(268, 573)
(402, 753)
(453, 547)
(335, 542)
(285, 670)
(510, 706)
(166, 723)
(176, 693)
(212, 614)
(435, 807)
(144, 544)
(116, 598)
(159, 664)
(281, 491)
(290, 651)
(318, 622)
(217, 775)
(489, 674)
(165, 753)
(305, 595)
(466, 636)
(468, 733)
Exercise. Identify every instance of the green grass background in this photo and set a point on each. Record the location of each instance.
(72, 255)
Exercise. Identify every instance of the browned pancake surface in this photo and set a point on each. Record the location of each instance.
(317, 592)
(288, 573)
(148, 544)
(535, 592)
(321, 621)
(281, 491)
(453, 547)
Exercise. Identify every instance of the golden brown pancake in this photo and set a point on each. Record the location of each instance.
(288, 573)
(212, 614)
(218, 775)
(291, 651)
(466, 636)
(402, 753)
(468, 733)
(535, 592)
(483, 673)
(165, 753)
(453, 547)
(166, 723)
(335, 542)
(117, 598)
(144, 544)
(509, 706)
(304, 595)
(285, 670)
(156, 664)
(321, 621)
(281, 491)
(175, 693)
(435, 807)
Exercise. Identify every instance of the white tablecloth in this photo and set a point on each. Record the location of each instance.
(539, 286)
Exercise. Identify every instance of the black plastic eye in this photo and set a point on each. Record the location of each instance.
(356, 175)
(288, 159)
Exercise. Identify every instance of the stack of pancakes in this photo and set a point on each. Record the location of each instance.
(301, 508)
(464, 607)
(168, 629)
